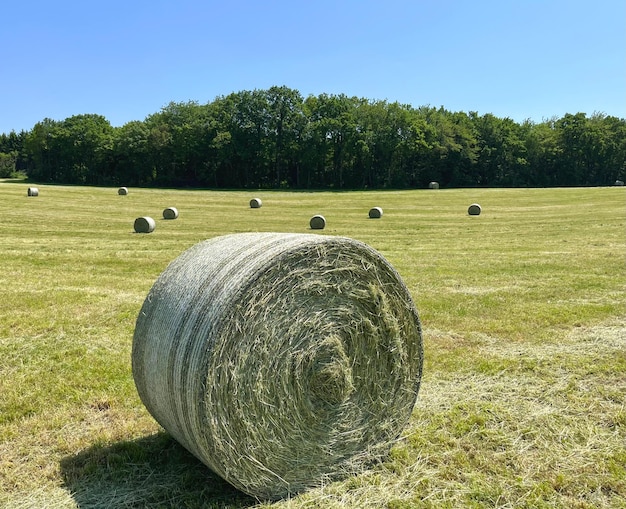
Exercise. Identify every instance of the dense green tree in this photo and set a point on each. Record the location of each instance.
(275, 138)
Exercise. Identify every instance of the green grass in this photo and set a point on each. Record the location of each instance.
(523, 397)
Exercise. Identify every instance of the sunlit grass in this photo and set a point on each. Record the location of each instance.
(523, 397)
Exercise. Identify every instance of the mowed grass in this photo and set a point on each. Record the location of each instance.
(523, 399)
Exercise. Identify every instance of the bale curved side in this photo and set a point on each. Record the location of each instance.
(279, 360)
(32, 191)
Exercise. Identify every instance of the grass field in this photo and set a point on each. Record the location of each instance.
(523, 399)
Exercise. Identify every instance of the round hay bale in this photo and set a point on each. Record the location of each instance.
(619, 182)
(144, 225)
(433, 185)
(317, 222)
(32, 191)
(474, 209)
(255, 203)
(122, 191)
(279, 360)
(376, 213)
(170, 213)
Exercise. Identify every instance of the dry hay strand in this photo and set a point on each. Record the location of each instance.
(170, 213)
(375, 213)
(32, 191)
(144, 225)
(280, 360)
(122, 191)
(317, 222)
(255, 203)
(474, 209)
(433, 185)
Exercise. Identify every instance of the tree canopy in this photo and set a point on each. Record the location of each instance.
(275, 138)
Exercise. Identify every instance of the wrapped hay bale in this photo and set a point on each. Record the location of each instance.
(255, 203)
(619, 182)
(376, 213)
(122, 191)
(144, 225)
(170, 213)
(32, 191)
(317, 222)
(279, 360)
(433, 185)
(474, 209)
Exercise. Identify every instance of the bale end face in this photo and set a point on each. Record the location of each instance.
(317, 222)
(376, 213)
(255, 203)
(474, 209)
(170, 213)
(144, 225)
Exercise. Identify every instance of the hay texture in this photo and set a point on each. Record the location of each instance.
(32, 191)
(122, 191)
(317, 222)
(280, 360)
(474, 209)
(144, 225)
(170, 213)
(376, 213)
(255, 203)
(433, 185)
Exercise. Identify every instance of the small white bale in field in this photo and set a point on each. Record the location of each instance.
(170, 213)
(317, 222)
(474, 209)
(376, 213)
(433, 185)
(33, 191)
(255, 203)
(122, 191)
(144, 225)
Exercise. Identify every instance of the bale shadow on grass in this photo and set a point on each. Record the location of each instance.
(154, 471)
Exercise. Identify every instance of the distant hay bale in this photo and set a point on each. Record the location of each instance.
(279, 360)
(474, 209)
(376, 213)
(317, 222)
(32, 191)
(144, 225)
(122, 191)
(433, 185)
(255, 203)
(170, 213)
(619, 182)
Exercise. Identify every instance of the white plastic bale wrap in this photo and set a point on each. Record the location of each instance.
(279, 360)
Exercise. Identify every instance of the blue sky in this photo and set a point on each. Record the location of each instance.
(523, 59)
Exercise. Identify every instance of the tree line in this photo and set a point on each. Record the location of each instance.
(275, 138)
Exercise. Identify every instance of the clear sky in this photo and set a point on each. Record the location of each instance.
(126, 59)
